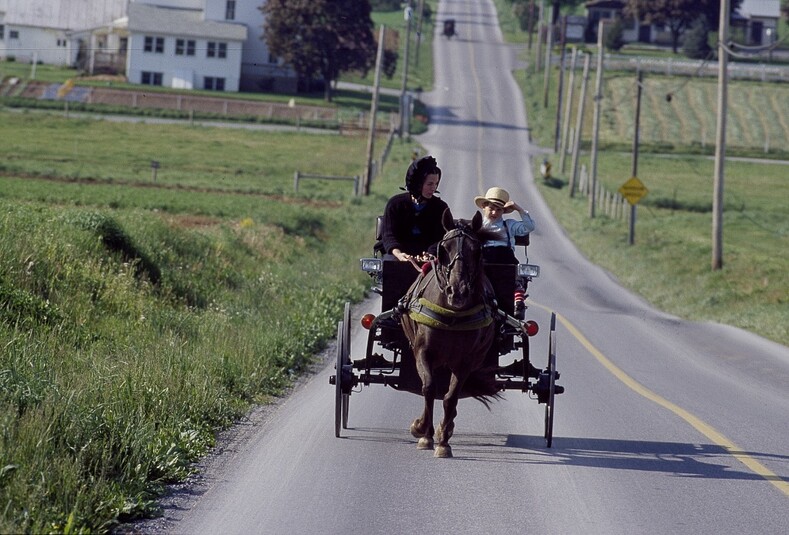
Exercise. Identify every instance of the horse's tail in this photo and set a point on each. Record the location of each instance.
(481, 385)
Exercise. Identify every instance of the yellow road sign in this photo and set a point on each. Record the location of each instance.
(633, 190)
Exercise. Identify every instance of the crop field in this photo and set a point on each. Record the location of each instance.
(758, 113)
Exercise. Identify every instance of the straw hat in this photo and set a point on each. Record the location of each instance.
(497, 196)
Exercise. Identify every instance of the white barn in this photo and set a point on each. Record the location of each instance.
(200, 44)
(52, 31)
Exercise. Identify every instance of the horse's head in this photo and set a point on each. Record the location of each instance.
(459, 269)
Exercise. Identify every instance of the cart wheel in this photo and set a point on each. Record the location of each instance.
(549, 406)
(339, 400)
(346, 359)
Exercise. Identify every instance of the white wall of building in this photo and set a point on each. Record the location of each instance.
(186, 72)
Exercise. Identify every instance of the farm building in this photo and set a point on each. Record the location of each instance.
(201, 44)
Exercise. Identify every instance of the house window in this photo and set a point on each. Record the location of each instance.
(183, 46)
(2, 31)
(154, 44)
(123, 45)
(213, 83)
(151, 78)
(13, 34)
(272, 59)
(230, 10)
(216, 50)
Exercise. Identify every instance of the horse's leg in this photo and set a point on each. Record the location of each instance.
(422, 428)
(447, 426)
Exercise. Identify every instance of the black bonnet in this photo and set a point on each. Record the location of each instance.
(416, 173)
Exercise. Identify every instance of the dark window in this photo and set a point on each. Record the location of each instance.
(154, 44)
(2, 31)
(212, 83)
(190, 47)
(230, 10)
(13, 34)
(216, 50)
(179, 47)
(151, 78)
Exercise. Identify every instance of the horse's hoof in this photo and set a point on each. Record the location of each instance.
(415, 432)
(424, 444)
(443, 452)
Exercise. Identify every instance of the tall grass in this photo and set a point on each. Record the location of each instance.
(137, 318)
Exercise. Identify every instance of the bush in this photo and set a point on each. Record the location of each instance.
(695, 42)
(612, 39)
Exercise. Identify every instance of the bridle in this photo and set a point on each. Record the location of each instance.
(443, 271)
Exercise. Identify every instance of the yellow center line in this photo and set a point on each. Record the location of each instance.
(702, 427)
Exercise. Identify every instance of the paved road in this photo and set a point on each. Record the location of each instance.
(666, 426)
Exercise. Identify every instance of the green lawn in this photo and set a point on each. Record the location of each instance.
(670, 263)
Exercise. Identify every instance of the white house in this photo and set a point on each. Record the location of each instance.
(181, 48)
(53, 31)
(760, 21)
(201, 44)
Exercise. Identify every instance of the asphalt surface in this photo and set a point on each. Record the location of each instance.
(666, 426)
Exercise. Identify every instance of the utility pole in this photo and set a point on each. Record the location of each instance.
(720, 139)
(538, 54)
(568, 110)
(561, 87)
(634, 168)
(598, 98)
(407, 14)
(368, 175)
(530, 26)
(579, 125)
(419, 31)
(547, 72)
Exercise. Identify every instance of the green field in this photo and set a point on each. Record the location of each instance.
(670, 262)
(140, 316)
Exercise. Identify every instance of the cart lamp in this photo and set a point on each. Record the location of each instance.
(367, 321)
(531, 328)
(371, 265)
(528, 270)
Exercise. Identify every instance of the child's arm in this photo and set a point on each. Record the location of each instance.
(525, 225)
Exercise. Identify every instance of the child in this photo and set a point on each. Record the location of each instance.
(494, 205)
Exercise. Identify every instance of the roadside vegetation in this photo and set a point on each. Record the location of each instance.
(670, 261)
(140, 316)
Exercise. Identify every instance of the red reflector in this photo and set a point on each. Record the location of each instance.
(367, 320)
(531, 328)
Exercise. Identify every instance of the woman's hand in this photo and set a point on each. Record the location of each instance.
(400, 255)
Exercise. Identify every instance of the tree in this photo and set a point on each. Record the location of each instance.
(785, 10)
(695, 42)
(677, 15)
(613, 39)
(320, 38)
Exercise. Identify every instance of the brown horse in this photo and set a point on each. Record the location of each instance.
(449, 325)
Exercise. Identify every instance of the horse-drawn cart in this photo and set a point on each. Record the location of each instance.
(449, 28)
(389, 358)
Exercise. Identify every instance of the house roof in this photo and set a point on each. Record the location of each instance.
(144, 18)
(760, 8)
(62, 14)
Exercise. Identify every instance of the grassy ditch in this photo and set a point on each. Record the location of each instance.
(139, 317)
(670, 262)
